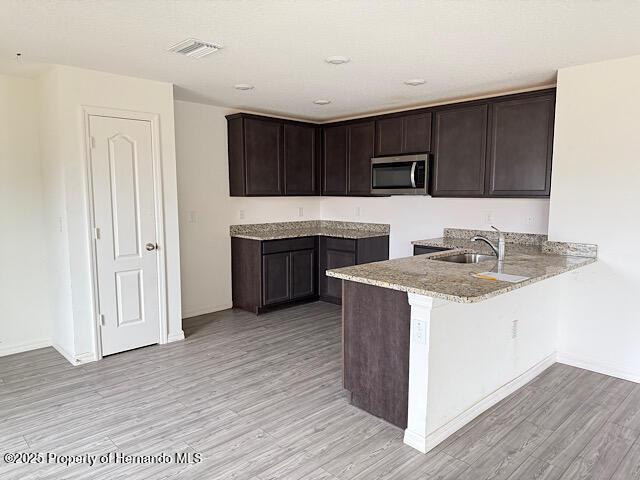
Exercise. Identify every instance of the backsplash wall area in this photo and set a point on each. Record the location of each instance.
(415, 218)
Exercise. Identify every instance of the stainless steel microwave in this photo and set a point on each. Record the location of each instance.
(403, 175)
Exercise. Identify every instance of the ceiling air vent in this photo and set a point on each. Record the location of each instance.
(194, 48)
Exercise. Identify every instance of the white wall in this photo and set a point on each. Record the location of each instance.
(479, 353)
(24, 296)
(206, 210)
(53, 188)
(595, 198)
(64, 91)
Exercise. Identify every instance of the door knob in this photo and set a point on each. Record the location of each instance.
(150, 247)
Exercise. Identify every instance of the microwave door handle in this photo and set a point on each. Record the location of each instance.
(413, 174)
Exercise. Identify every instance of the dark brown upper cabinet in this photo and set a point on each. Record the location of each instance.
(301, 159)
(494, 147)
(271, 157)
(346, 166)
(520, 147)
(459, 149)
(263, 156)
(361, 145)
(403, 134)
(334, 164)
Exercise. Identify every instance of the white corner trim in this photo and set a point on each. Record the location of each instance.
(175, 337)
(419, 330)
(18, 347)
(75, 359)
(598, 367)
(437, 436)
(205, 310)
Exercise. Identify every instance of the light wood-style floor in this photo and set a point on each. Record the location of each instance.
(261, 398)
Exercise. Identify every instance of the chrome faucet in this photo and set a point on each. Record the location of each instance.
(499, 250)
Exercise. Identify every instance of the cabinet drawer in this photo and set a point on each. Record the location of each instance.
(288, 244)
(344, 244)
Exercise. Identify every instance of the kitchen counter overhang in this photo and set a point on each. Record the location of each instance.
(425, 275)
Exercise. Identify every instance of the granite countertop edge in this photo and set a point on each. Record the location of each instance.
(350, 234)
(309, 228)
(508, 287)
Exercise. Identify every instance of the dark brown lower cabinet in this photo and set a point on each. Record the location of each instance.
(336, 259)
(276, 278)
(274, 273)
(271, 273)
(345, 252)
(376, 324)
(303, 273)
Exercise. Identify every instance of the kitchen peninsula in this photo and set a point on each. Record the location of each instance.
(431, 343)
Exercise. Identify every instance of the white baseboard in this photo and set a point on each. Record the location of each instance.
(594, 366)
(175, 337)
(75, 359)
(416, 441)
(424, 444)
(85, 358)
(205, 310)
(19, 347)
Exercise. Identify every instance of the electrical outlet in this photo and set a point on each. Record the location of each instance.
(531, 220)
(487, 218)
(300, 211)
(191, 216)
(514, 329)
(357, 211)
(241, 214)
(420, 332)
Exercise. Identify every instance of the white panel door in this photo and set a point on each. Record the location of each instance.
(126, 247)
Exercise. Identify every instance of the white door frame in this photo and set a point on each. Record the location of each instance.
(154, 119)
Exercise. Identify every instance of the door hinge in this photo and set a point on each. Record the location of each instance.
(96, 233)
(101, 320)
(92, 141)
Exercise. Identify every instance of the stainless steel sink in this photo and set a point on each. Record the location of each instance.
(466, 258)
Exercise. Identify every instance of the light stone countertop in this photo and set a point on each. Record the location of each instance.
(308, 228)
(455, 282)
(459, 238)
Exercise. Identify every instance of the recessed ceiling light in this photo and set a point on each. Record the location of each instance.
(322, 102)
(337, 60)
(192, 47)
(243, 86)
(414, 82)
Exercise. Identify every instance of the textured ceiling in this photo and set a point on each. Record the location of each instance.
(461, 48)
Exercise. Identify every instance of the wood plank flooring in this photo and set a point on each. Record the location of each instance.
(261, 398)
